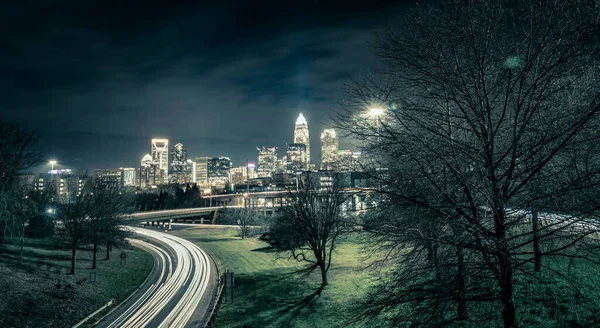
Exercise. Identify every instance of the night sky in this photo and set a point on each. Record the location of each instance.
(98, 79)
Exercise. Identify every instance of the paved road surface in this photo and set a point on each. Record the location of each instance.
(178, 291)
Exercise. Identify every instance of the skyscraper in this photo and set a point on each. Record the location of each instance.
(181, 169)
(329, 149)
(267, 161)
(149, 174)
(251, 171)
(219, 171)
(296, 158)
(301, 136)
(160, 156)
(238, 175)
(202, 171)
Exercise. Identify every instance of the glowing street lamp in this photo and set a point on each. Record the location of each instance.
(375, 112)
(52, 162)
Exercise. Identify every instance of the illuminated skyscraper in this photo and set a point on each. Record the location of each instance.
(301, 136)
(219, 171)
(149, 175)
(238, 175)
(267, 161)
(160, 156)
(202, 171)
(251, 171)
(181, 168)
(296, 158)
(329, 149)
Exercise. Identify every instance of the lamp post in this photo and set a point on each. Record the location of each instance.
(52, 163)
(375, 113)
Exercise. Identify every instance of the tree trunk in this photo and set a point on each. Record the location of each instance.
(537, 253)
(107, 250)
(506, 290)
(73, 251)
(324, 281)
(461, 291)
(433, 258)
(94, 256)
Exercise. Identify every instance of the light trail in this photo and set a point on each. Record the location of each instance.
(183, 277)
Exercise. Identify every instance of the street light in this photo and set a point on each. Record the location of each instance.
(375, 112)
(52, 162)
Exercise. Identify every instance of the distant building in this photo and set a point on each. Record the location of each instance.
(150, 175)
(108, 178)
(282, 165)
(267, 161)
(349, 161)
(181, 168)
(219, 170)
(301, 136)
(239, 175)
(191, 169)
(201, 163)
(160, 157)
(296, 158)
(251, 171)
(129, 176)
(62, 183)
(329, 149)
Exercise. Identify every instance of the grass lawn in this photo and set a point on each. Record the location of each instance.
(40, 293)
(268, 294)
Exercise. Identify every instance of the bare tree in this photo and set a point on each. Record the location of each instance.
(488, 112)
(108, 216)
(17, 154)
(309, 225)
(247, 219)
(74, 213)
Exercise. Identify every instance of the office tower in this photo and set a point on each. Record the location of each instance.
(296, 158)
(251, 172)
(181, 169)
(301, 136)
(329, 149)
(129, 176)
(108, 178)
(219, 171)
(267, 161)
(282, 164)
(191, 171)
(160, 157)
(202, 171)
(238, 175)
(149, 173)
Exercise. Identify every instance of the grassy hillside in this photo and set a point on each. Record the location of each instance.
(39, 293)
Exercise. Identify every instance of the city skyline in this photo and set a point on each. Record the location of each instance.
(217, 93)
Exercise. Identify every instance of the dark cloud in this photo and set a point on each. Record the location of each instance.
(99, 79)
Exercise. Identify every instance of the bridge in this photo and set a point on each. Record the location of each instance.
(266, 201)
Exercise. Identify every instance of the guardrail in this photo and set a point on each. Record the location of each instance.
(110, 303)
(218, 296)
(213, 312)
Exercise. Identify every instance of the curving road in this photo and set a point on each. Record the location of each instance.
(177, 293)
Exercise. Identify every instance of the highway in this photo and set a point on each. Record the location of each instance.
(177, 293)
